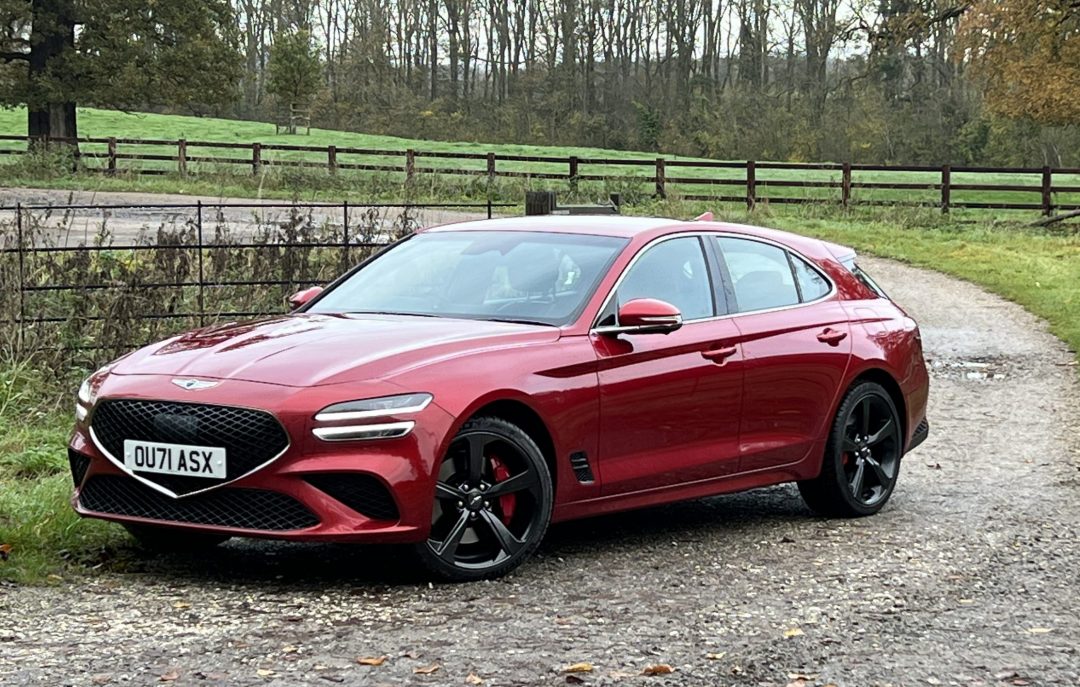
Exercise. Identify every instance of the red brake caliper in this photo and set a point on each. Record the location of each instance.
(507, 502)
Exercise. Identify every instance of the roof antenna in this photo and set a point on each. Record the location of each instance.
(704, 217)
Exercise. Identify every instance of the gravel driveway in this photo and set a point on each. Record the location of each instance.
(969, 577)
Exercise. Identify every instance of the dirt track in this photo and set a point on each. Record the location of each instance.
(969, 577)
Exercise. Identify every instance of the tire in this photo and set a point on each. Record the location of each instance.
(862, 456)
(173, 540)
(493, 501)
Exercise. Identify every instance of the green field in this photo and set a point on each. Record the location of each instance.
(287, 173)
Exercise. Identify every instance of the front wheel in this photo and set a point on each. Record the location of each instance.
(493, 500)
(862, 456)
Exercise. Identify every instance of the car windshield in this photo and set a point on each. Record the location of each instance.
(511, 276)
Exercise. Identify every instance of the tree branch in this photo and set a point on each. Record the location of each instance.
(14, 56)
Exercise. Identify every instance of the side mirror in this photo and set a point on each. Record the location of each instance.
(647, 316)
(301, 298)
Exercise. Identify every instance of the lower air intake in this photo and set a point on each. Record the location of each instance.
(249, 509)
(363, 493)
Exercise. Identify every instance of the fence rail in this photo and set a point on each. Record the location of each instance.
(88, 299)
(1042, 189)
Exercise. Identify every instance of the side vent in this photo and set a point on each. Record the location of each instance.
(579, 463)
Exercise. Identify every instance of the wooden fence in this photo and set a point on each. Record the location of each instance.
(1044, 189)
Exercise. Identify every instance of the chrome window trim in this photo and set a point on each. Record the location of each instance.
(368, 414)
(596, 328)
(168, 492)
(357, 432)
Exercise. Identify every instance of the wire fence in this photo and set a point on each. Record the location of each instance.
(93, 281)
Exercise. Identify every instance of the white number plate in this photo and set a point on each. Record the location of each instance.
(174, 459)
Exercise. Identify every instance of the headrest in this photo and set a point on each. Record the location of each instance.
(538, 274)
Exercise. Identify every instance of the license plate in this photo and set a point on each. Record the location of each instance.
(174, 459)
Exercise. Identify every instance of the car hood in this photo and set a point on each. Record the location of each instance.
(309, 350)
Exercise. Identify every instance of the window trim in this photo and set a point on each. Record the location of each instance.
(789, 253)
(715, 253)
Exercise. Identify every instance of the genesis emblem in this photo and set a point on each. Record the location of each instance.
(194, 384)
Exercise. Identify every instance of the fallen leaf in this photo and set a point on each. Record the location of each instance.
(578, 668)
(371, 660)
(289, 649)
(180, 605)
(5, 551)
(101, 679)
(170, 676)
(715, 656)
(264, 672)
(658, 669)
(1039, 630)
(55, 578)
(474, 679)
(793, 632)
(426, 670)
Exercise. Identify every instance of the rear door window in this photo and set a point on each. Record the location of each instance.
(761, 275)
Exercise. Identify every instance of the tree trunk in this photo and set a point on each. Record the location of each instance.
(52, 33)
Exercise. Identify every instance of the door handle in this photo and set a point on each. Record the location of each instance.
(719, 355)
(831, 337)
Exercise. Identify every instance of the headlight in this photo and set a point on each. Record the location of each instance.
(384, 406)
(86, 392)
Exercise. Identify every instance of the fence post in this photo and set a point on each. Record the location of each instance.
(112, 155)
(331, 159)
(202, 274)
(1047, 187)
(345, 231)
(181, 157)
(573, 173)
(661, 178)
(410, 164)
(751, 184)
(845, 185)
(946, 188)
(491, 167)
(22, 274)
(256, 158)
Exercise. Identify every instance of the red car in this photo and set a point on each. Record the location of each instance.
(475, 382)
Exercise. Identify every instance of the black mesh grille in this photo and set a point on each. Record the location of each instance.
(79, 465)
(363, 493)
(250, 437)
(252, 509)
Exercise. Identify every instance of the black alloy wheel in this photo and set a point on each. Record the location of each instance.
(493, 500)
(862, 457)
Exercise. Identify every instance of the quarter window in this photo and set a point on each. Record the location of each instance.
(673, 271)
(812, 285)
(760, 274)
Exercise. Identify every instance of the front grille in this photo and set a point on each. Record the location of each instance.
(250, 437)
(363, 493)
(79, 465)
(251, 509)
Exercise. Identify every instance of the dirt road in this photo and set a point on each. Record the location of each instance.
(969, 577)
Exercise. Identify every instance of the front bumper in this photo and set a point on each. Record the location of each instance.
(378, 491)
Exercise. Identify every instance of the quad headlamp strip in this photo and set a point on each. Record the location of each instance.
(370, 409)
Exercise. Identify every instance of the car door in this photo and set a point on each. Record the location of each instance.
(669, 403)
(796, 347)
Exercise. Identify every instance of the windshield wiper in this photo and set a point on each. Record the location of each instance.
(390, 312)
(515, 321)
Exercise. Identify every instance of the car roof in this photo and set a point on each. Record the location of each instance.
(630, 227)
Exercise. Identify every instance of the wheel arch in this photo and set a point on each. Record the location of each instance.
(524, 416)
(882, 377)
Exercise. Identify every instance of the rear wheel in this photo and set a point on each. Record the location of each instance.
(493, 501)
(166, 539)
(862, 457)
